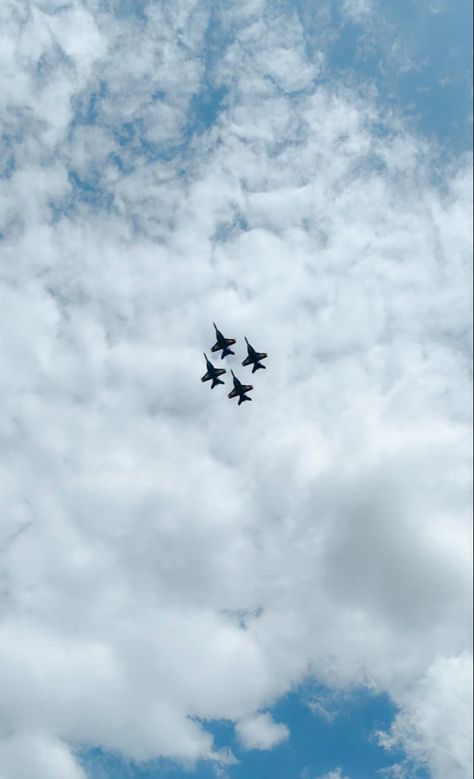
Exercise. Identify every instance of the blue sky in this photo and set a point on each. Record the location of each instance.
(191, 589)
(433, 86)
(315, 747)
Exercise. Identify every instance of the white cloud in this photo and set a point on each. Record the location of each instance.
(443, 694)
(357, 10)
(48, 54)
(38, 755)
(163, 551)
(336, 774)
(261, 732)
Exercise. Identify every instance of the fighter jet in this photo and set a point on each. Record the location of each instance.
(240, 390)
(222, 343)
(254, 357)
(213, 373)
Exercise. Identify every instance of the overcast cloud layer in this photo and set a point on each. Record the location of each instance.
(167, 558)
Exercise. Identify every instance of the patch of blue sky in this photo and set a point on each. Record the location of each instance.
(230, 229)
(209, 100)
(131, 138)
(127, 132)
(127, 9)
(158, 94)
(125, 166)
(318, 743)
(17, 127)
(420, 62)
(205, 108)
(7, 162)
(86, 106)
(84, 191)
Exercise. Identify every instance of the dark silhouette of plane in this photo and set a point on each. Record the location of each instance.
(213, 373)
(222, 343)
(240, 390)
(254, 357)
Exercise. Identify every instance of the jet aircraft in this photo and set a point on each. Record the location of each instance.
(254, 357)
(240, 390)
(222, 343)
(213, 373)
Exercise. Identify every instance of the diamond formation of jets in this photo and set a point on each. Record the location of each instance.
(212, 373)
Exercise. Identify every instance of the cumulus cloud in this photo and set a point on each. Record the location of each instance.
(444, 693)
(162, 551)
(39, 755)
(261, 732)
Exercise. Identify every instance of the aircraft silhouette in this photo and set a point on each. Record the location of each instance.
(240, 390)
(254, 357)
(213, 373)
(222, 343)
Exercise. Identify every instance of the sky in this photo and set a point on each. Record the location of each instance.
(195, 590)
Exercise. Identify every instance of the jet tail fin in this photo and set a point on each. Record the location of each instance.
(242, 398)
(257, 366)
(215, 382)
(225, 352)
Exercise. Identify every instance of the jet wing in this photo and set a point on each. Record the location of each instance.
(233, 394)
(207, 377)
(248, 361)
(246, 387)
